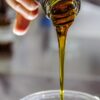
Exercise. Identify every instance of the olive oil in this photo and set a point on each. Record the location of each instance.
(61, 34)
(62, 14)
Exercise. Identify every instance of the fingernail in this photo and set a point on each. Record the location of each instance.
(21, 25)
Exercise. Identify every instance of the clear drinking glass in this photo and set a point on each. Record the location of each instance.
(54, 95)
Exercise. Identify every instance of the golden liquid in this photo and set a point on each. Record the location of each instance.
(61, 34)
(63, 14)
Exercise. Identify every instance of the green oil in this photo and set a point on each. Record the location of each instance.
(62, 14)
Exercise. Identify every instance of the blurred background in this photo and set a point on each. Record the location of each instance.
(30, 63)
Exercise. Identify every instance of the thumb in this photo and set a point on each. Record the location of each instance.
(21, 25)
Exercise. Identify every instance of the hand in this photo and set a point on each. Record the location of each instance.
(27, 10)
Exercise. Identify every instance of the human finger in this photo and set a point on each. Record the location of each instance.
(21, 25)
(29, 4)
(30, 15)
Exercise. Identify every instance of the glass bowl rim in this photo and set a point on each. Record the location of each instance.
(66, 92)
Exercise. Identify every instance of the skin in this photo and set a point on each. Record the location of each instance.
(27, 10)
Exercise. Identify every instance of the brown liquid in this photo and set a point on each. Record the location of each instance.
(63, 14)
